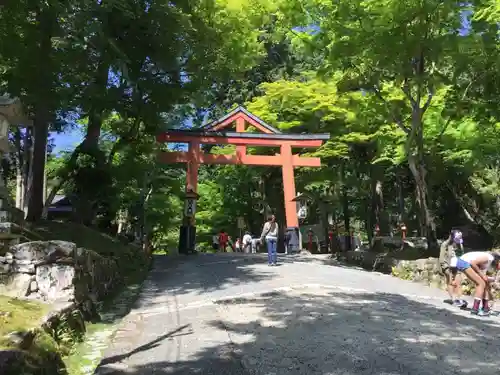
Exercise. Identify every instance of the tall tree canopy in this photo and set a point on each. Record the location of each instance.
(407, 91)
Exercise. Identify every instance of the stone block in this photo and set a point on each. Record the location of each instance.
(4, 217)
(28, 268)
(57, 271)
(33, 287)
(4, 268)
(17, 285)
(40, 252)
(12, 241)
(431, 264)
(34, 251)
(8, 227)
(403, 263)
(55, 281)
(60, 249)
(22, 262)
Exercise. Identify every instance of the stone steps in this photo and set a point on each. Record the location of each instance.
(11, 226)
(10, 235)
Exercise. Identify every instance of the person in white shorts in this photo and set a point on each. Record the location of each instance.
(474, 265)
(255, 244)
(450, 250)
(247, 242)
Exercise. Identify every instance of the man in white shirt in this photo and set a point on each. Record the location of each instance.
(474, 265)
(247, 242)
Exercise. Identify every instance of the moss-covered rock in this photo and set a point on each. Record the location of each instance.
(41, 358)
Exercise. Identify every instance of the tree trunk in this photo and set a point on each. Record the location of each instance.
(347, 218)
(47, 22)
(346, 213)
(6, 166)
(372, 206)
(416, 163)
(98, 90)
(19, 169)
(35, 202)
(401, 199)
(370, 218)
(378, 213)
(323, 209)
(27, 166)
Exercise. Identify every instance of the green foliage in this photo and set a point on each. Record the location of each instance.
(231, 192)
(403, 272)
(408, 97)
(67, 331)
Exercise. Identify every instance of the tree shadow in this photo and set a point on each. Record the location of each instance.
(319, 331)
(150, 345)
(199, 274)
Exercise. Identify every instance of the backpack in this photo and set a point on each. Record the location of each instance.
(223, 238)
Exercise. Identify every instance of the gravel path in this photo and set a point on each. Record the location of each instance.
(231, 314)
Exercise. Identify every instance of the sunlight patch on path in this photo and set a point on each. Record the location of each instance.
(209, 302)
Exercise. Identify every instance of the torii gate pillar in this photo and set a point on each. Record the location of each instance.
(289, 186)
(192, 166)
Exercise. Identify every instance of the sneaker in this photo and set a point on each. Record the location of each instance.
(274, 264)
(480, 312)
(460, 303)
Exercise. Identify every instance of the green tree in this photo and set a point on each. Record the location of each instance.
(425, 39)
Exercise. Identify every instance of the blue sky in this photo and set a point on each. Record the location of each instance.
(71, 138)
(66, 141)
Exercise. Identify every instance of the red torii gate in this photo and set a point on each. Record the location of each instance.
(269, 136)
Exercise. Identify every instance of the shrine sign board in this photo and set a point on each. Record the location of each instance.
(190, 207)
(241, 222)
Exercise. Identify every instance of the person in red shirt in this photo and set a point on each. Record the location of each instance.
(223, 240)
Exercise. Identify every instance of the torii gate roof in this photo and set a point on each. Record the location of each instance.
(270, 136)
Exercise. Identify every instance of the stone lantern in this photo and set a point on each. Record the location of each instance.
(187, 237)
(302, 201)
(11, 114)
(294, 234)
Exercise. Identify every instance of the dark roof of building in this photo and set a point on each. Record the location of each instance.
(60, 200)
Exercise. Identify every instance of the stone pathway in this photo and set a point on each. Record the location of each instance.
(231, 314)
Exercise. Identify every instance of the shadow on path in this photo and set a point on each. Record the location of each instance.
(324, 332)
(200, 275)
(150, 345)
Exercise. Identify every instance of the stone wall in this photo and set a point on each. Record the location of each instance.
(424, 270)
(421, 270)
(72, 280)
(369, 260)
(57, 271)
